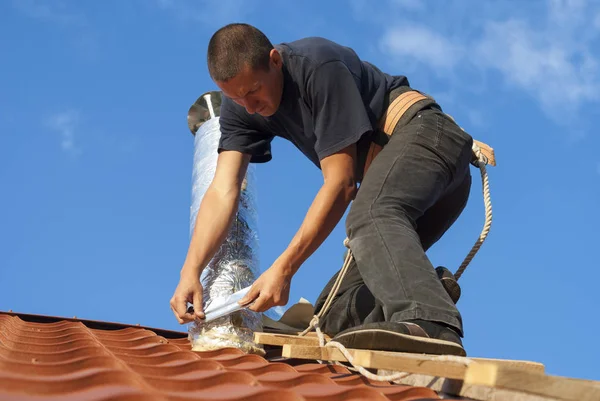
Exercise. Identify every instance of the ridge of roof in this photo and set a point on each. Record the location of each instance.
(93, 324)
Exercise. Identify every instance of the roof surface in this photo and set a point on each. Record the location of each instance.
(52, 358)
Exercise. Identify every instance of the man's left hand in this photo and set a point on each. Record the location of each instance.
(272, 288)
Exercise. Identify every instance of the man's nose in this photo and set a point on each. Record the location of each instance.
(250, 106)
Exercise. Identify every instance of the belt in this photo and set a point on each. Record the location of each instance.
(396, 110)
(390, 119)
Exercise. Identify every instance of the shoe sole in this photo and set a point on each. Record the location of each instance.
(383, 340)
(452, 288)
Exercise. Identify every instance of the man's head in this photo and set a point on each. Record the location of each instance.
(247, 68)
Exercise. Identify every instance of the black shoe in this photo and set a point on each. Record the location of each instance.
(449, 282)
(422, 338)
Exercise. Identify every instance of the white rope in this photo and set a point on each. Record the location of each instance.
(334, 289)
(314, 323)
(481, 162)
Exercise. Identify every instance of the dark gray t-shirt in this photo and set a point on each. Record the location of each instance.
(330, 99)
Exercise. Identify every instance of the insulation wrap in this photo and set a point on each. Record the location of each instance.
(235, 266)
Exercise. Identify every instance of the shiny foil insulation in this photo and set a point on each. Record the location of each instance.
(235, 265)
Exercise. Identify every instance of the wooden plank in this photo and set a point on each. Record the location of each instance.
(487, 151)
(514, 376)
(387, 360)
(282, 339)
(454, 367)
(310, 352)
(451, 388)
(310, 339)
(562, 388)
(413, 363)
(513, 363)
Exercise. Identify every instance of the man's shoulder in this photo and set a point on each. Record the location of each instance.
(313, 51)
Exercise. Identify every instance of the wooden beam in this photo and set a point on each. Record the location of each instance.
(380, 358)
(450, 388)
(487, 151)
(454, 367)
(558, 387)
(412, 363)
(512, 363)
(309, 339)
(514, 376)
(311, 352)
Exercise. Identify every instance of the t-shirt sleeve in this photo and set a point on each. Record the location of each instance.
(238, 133)
(340, 117)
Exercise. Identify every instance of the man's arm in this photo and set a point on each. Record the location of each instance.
(217, 209)
(340, 119)
(325, 212)
(215, 215)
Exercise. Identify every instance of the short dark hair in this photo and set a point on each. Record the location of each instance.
(233, 47)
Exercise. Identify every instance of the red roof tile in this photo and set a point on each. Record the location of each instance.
(52, 358)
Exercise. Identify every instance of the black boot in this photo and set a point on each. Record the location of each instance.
(449, 282)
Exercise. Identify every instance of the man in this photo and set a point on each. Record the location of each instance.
(325, 100)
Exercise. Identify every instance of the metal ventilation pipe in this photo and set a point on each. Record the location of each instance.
(235, 265)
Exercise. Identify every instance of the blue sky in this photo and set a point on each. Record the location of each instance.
(95, 162)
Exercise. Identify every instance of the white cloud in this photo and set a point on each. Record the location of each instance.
(423, 45)
(552, 55)
(476, 118)
(567, 13)
(65, 124)
(557, 74)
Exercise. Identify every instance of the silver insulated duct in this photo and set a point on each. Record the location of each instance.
(235, 265)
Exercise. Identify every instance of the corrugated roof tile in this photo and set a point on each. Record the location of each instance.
(43, 358)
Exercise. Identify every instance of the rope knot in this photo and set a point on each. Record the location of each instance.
(480, 157)
(314, 322)
(347, 243)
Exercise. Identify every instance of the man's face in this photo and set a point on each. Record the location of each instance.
(257, 90)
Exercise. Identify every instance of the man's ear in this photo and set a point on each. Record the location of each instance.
(276, 59)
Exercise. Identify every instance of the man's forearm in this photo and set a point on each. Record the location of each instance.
(212, 223)
(327, 209)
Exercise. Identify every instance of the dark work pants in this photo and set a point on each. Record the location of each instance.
(414, 190)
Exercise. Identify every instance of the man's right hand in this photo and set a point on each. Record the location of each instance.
(189, 290)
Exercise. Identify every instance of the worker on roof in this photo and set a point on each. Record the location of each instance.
(333, 107)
